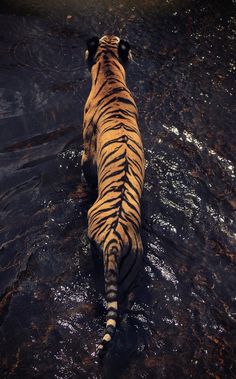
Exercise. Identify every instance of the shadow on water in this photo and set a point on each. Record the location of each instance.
(182, 324)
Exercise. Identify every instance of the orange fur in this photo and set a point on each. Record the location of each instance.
(113, 155)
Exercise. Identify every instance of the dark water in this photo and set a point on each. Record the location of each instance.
(182, 324)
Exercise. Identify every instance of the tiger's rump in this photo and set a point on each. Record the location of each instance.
(116, 212)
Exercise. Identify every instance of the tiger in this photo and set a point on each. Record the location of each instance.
(113, 163)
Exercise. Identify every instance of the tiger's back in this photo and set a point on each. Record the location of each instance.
(113, 156)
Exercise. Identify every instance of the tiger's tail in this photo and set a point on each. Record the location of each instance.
(111, 289)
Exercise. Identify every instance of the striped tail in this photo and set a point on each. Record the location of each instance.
(111, 288)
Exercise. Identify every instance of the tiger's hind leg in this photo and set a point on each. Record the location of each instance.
(130, 275)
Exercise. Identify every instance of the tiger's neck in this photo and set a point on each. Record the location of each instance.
(108, 71)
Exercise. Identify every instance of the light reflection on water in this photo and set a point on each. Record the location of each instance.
(187, 136)
(160, 265)
(181, 323)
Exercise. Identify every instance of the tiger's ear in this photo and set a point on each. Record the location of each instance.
(92, 45)
(124, 50)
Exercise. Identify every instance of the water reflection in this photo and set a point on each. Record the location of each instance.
(187, 136)
(52, 296)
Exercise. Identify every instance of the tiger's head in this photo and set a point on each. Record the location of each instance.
(105, 46)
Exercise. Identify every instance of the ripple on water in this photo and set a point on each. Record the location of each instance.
(20, 103)
(159, 264)
(181, 325)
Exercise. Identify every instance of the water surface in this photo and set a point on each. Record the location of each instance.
(52, 310)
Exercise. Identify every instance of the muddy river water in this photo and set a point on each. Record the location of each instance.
(52, 309)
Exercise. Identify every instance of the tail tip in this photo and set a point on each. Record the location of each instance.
(101, 348)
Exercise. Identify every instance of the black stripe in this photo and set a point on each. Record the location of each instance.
(116, 159)
(99, 65)
(113, 188)
(136, 143)
(108, 201)
(130, 184)
(133, 149)
(113, 240)
(111, 315)
(111, 296)
(131, 205)
(129, 129)
(132, 221)
(93, 217)
(109, 128)
(112, 92)
(119, 99)
(120, 139)
(102, 86)
(137, 177)
(115, 114)
(133, 197)
(102, 219)
(108, 72)
(110, 175)
(112, 309)
(136, 164)
(107, 156)
(100, 230)
(115, 80)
